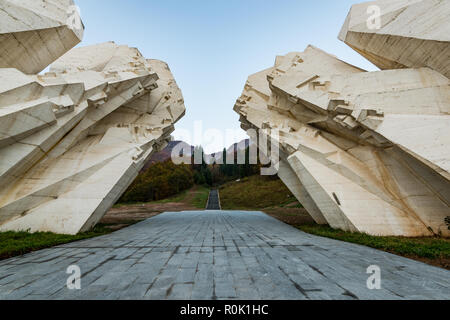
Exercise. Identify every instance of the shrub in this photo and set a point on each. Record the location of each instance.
(159, 181)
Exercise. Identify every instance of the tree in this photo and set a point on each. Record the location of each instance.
(159, 181)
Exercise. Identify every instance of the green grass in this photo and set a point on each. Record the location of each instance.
(18, 243)
(430, 248)
(176, 198)
(199, 200)
(291, 203)
(201, 197)
(253, 193)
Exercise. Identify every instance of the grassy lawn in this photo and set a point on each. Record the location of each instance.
(255, 193)
(201, 197)
(199, 200)
(176, 198)
(18, 243)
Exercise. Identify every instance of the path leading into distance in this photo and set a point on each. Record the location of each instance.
(213, 201)
(217, 255)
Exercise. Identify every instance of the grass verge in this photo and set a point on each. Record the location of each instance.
(201, 197)
(176, 198)
(18, 243)
(255, 193)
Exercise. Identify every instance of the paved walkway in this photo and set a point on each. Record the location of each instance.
(213, 201)
(217, 255)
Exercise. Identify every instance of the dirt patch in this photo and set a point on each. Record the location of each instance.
(141, 212)
(125, 215)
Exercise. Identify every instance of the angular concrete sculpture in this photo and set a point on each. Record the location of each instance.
(362, 151)
(72, 140)
(408, 34)
(33, 33)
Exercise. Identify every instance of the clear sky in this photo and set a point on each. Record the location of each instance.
(212, 46)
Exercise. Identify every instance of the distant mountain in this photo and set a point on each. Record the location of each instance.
(242, 145)
(166, 153)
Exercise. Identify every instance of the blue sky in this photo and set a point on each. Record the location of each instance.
(212, 46)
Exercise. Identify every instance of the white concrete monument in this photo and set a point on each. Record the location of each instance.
(363, 151)
(397, 34)
(34, 33)
(72, 140)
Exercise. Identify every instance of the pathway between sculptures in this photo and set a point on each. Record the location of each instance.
(217, 255)
(213, 201)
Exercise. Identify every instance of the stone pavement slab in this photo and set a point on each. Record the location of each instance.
(217, 255)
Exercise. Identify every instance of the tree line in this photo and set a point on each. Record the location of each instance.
(165, 179)
(216, 174)
(159, 181)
